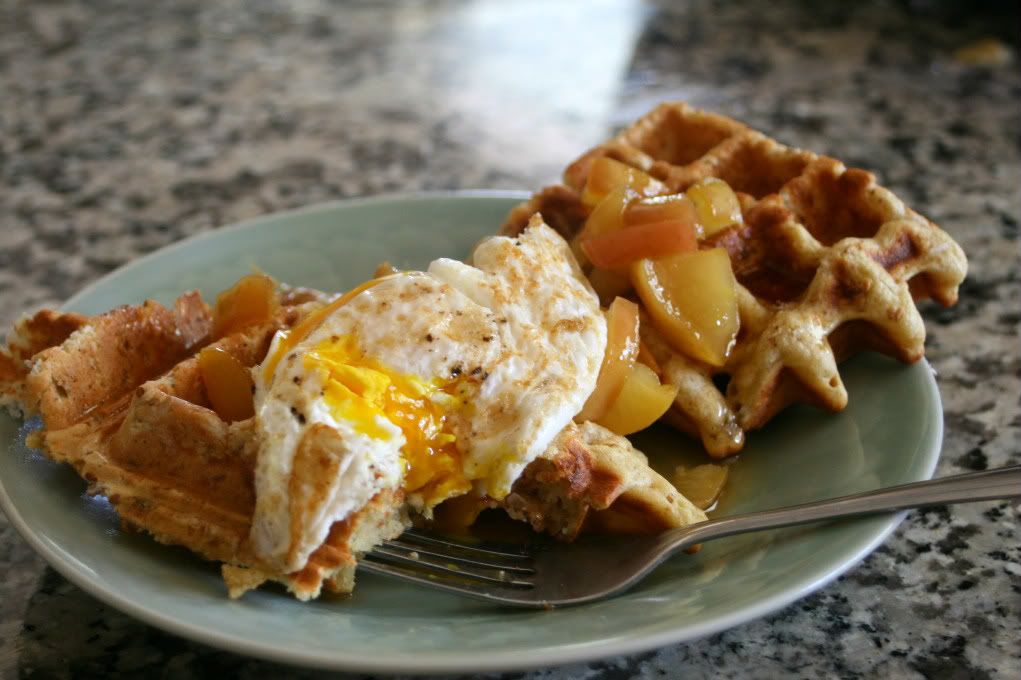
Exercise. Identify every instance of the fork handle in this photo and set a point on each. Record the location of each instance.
(976, 486)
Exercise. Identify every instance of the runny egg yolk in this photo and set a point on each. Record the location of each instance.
(361, 390)
(292, 337)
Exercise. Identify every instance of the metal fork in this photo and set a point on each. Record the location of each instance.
(556, 575)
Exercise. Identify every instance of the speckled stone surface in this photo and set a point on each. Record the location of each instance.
(126, 126)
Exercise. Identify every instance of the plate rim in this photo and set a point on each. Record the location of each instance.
(442, 662)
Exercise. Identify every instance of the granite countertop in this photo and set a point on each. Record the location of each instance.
(124, 127)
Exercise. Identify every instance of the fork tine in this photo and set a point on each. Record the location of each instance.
(482, 549)
(482, 591)
(426, 563)
(416, 552)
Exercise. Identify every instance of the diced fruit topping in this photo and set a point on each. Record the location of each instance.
(653, 240)
(692, 299)
(610, 283)
(228, 384)
(646, 357)
(606, 174)
(675, 207)
(608, 215)
(621, 350)
(690, 295)
(701, 484)
(251, 300)
(668, 225)
(641, 402)
(716, 204)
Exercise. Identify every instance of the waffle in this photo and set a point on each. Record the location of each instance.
(30, 336)
(122, 401)
(828, 264)
(592, 479)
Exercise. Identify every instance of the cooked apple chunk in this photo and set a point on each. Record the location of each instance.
(642, 401)
(692, 299)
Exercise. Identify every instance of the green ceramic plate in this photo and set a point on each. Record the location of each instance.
(889, 434)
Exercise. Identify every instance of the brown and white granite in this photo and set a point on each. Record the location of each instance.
(126, 126)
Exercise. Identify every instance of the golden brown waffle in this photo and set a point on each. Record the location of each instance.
(122, 401)
(828, 263)
(591, 478)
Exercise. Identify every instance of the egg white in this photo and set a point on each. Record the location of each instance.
(520, 325)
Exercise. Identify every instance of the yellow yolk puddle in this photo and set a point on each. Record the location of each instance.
(360, 390)
(291, 338)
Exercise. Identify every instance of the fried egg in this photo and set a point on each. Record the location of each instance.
(433, 383)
